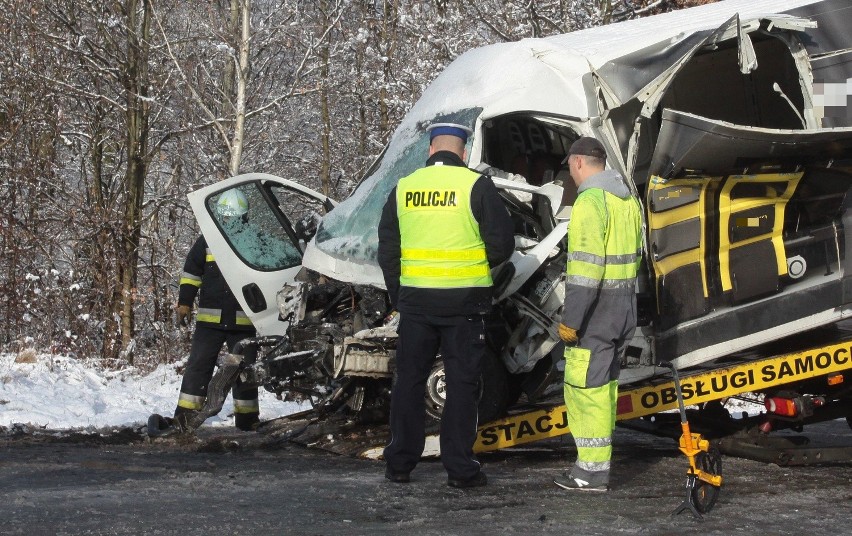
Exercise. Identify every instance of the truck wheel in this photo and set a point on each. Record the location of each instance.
(436, 390)
(493, 395)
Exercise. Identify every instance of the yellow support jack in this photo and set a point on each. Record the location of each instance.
(704, 476)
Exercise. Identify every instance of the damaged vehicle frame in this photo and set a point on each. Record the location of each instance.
(707, 112)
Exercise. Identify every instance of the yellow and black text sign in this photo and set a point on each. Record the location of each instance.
(697, 389)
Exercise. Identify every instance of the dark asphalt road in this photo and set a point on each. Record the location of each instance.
(229, 482)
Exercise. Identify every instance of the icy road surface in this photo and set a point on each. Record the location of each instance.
(229, 482)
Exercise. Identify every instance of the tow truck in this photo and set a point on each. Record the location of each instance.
(810, 381)
(747, 280)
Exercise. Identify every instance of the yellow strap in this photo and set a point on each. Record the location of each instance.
(428, 271)
(444, 255)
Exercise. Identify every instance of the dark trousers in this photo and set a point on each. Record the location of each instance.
(461, 341)
(206, 344)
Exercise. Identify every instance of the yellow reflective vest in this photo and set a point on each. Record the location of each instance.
(440, 244)
(604, 242)
(604, 255)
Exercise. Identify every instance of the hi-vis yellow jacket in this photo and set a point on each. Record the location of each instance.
(439, 237)
(441, 231)
(604, 253)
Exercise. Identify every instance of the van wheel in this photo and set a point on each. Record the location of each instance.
(436, 390)
(493, 389)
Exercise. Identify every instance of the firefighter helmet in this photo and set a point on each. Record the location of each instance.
(232, 203)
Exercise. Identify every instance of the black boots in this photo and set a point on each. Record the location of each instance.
(475, 481)
(247, 422)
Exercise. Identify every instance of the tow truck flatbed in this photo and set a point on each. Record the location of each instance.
(828, 364)
(834, 362)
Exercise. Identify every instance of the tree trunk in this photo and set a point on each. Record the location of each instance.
(237, 141)
(388, 42)
(137, 116)
(325, 113)
(98, 254)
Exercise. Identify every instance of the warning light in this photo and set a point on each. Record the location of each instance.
(837, 379)
(781, 406)
(797, 407)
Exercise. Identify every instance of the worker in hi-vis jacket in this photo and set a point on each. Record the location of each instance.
(599, 315)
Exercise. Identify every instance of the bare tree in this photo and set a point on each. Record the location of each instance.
(112, 111)
(227, 115)
(106, 109)
(136, 81)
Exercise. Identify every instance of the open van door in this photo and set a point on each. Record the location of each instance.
(257, 252)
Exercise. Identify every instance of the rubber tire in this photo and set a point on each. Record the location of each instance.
(495, 391)
(705, 495)
(435, 383)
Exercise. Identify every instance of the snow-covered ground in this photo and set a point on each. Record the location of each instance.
(58, 392)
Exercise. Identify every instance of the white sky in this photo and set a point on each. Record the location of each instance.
(58, 392)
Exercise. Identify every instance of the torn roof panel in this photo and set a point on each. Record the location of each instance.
(689, 143)
(503, 77)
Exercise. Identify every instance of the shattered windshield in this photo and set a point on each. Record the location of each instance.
(350, 231)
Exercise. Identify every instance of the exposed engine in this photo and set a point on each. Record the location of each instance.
(338, 349)
(340, 345)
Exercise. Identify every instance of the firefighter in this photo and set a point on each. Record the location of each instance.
(220, 320)
(442, 230)
(599, 315)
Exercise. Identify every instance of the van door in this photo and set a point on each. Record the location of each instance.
(259, 249)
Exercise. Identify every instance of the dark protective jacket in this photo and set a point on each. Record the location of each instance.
(496, 232)
(217, 306)
(604, 252)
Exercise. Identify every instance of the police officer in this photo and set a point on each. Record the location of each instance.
(220, 320)
(442, 229)
(599, 316)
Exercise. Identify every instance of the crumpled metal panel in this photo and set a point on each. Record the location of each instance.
(690, 142)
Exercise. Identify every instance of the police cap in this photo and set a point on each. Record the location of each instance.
(448, 129)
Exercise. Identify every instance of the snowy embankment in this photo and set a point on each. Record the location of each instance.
(58, 392)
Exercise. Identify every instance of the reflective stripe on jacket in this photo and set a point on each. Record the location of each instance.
(214, 316)
(217, 305)
(440, 243)
(604, 252)
(604, 242)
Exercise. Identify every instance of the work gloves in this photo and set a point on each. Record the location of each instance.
(183, 315)
(567, 334)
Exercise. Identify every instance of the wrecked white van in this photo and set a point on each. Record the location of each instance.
(709, 112)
